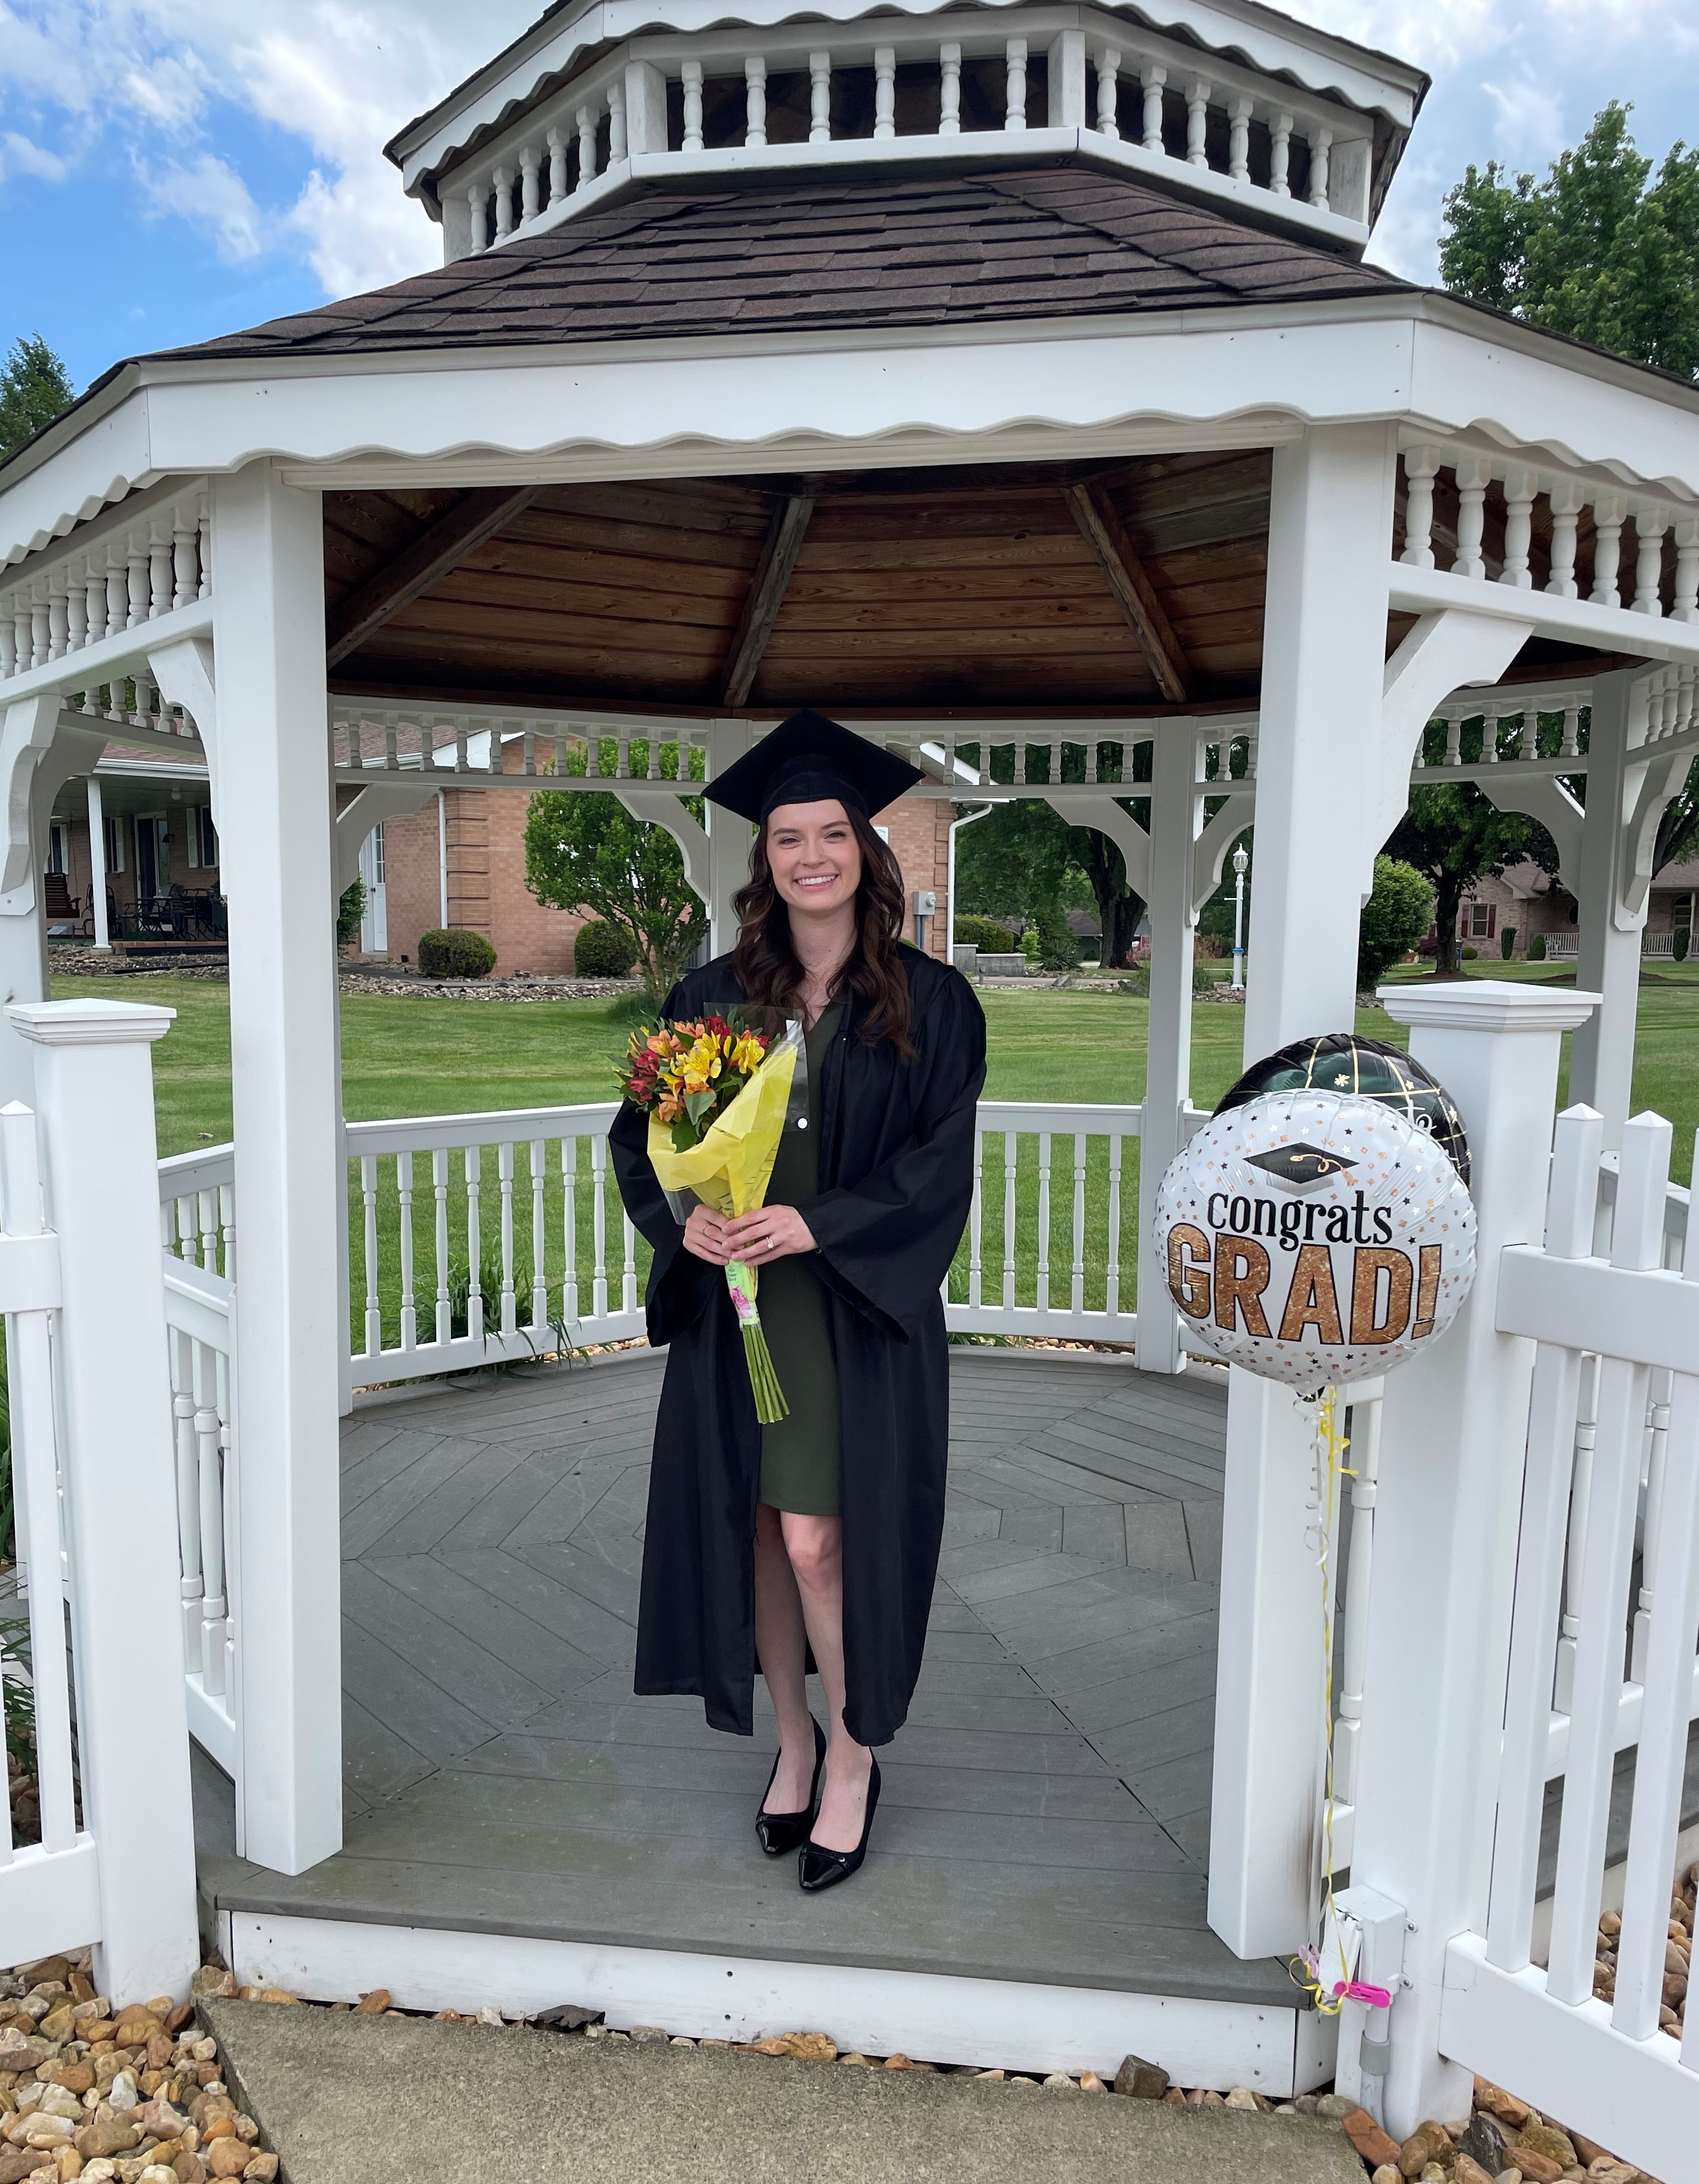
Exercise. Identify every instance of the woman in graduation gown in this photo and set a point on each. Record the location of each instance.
(819, 1536)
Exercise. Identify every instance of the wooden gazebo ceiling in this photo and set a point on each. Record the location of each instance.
(979, 588)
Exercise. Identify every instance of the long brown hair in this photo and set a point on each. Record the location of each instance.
(765, 959)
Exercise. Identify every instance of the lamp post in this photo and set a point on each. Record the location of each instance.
(1239, 863)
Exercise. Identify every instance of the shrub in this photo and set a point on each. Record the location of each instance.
(984, 933)
(1209, 947)
(1681, 946)
(453, 953)
(349, 913)
(1398, 912)
(1536, 948)
(1470, 955)
(1506, 943)
(1058, 947)
(601, 950)
(1029, 943)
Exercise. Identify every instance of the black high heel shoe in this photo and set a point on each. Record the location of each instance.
(778, 1832)
(818, 1868)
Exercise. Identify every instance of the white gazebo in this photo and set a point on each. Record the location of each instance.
(1006, 379)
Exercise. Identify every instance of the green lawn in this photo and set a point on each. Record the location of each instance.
(417, 1057)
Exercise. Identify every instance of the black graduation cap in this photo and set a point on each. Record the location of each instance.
(809, 759)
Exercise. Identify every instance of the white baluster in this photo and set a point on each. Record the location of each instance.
(185, 585)
(117, 591)
(569, 1230)
(1454, 739)
(1011, 1151)
(1571, 745)
(1044, 1267)
(599, 1226)
(403, 1191)
(472, 1167)
(1279, 155)
(1489, 727)
(1076, 1272)
(820, 98)
(1152, 81)
(503, 202)
(1111, 1296)
(76, 610)
(136, 562)
(1649, 521)
(528, 760)
(439, 1186)
(9, 642)
(539, 1238)
(1566, 501)
(1321, 142)
(530, 184)
(1607, 549)
(478, 204)
(557, 166)
(392, 754)
(1197, 123)
(1686, 606)
(618, 144)
(209, 1437)
(1529, 747)
(203, 551)
(23, 633)
(373, 1306)
(509, 1317)
(1520, 486)
(1421, 466)
(161, 576)
(1239, 140)
(586, 145)
(1015, 63)
(690, 74)
(949, 90)
(756, 100)
(190, 1587)
(1365, 1464)
(885, 91)
(1108, 75)
(41, 626)
(1473, 474)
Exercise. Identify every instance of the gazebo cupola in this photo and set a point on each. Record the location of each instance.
(1263, 118)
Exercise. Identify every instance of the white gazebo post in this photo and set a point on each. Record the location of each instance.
(1601, 1058)
(729, 837)
(1453, 1428)
(1176, 804)
(97, 864)
(271, 756)
(1330, 555)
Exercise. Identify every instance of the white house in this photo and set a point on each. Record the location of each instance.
(1008, 382)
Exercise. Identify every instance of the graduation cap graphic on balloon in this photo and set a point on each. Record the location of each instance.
(1299, 1166)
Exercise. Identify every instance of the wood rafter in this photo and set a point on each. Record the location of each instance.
(441, 547)
(1105, 534)
(784, 543)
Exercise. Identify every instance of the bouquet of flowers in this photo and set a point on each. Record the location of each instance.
(717, 1095)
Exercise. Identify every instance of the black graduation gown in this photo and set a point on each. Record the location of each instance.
(896, 1180)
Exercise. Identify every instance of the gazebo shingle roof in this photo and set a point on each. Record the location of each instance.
(869, 251)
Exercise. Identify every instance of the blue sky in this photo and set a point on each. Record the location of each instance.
(170, 169)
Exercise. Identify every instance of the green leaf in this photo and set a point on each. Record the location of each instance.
(699, 1105)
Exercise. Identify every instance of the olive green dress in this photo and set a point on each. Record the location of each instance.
(799, 1454)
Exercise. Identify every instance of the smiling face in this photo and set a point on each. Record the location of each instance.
(814, 857)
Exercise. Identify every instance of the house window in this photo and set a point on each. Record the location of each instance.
(113, 830)
(377, 854)
(1482, 920)
(202, 838)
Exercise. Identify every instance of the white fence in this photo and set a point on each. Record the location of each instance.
(91, 1458)
(1600, 1667)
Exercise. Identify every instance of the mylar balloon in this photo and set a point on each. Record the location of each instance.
(1341, 1061)
(1315, 1237)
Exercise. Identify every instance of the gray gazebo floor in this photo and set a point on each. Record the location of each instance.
(1045, 1810)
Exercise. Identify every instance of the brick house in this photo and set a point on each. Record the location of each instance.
(1526, 901)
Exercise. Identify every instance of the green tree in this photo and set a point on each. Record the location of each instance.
(1398, 912)
(1598, 249)
(34, 388)
(583, 850)
(1453, 836)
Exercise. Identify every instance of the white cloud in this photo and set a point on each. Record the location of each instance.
(169, 82)
(1530, 121)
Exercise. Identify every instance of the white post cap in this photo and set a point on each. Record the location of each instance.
(89, 1023)
(1495, 1005)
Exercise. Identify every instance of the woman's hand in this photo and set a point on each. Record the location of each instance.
(769, 1233)
(705, 1236)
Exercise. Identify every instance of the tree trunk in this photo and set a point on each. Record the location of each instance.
(1128, 909)
(1448, 901)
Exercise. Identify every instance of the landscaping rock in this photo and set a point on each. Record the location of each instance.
(1546, 2138)
(20, 2161)
(1334, 2106)
(1469, 2171)
(1142, 2081)
(1377, 2146)
(1535, 2167)
(1485, 2142)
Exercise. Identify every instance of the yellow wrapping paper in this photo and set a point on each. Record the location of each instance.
(729, 1172)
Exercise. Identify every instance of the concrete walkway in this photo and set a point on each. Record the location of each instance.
(343, 2099)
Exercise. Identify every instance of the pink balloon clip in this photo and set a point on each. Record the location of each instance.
(1377, 1997)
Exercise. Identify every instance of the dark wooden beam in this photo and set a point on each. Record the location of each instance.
(440, 547)
(784, 538)
(1105, 534)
